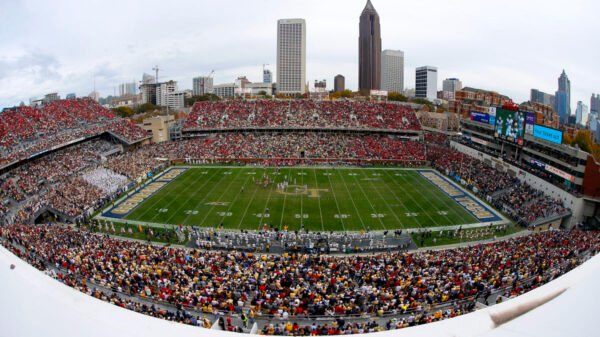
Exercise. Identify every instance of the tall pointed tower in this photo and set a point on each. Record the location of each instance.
(369, 50)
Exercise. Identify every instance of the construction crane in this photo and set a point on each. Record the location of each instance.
(212, 72)
(156, 69)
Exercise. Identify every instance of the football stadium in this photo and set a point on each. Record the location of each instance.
(260, 224)
(282, 209)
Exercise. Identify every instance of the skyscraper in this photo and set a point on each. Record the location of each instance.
(291, 56)
(202, 85)
(392, 70)
(127, 89)
(581, 114)
(563, 98)
(163, 90)
(542, 98)
(450, 86)
(339, 83)
(267, 76)
(369, 50)
(426, 83)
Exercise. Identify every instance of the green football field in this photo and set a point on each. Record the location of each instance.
(318, 199)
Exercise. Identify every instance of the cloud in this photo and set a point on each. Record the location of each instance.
(36, 65)
(60, 45)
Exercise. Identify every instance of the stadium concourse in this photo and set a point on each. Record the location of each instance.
(66, 161)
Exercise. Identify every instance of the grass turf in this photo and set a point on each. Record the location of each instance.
(318, 199)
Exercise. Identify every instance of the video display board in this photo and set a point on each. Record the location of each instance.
(529, 123)
(480, 117)
(548, 134)
(510, 125)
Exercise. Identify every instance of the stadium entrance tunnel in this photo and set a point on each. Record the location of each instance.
(47, 215)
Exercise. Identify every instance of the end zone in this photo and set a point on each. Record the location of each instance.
(466, 200)
(128, 203)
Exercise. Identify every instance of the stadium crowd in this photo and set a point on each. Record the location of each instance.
(25, 131)
(416, 287)
(527, 204)
(303, 145)
(301, 114)
(106, 180)
(53, 181)
(50, 180)
(517, 199)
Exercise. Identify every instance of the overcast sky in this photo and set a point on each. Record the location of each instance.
(509, 46)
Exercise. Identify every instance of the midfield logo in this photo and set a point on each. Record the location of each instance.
(302, 190)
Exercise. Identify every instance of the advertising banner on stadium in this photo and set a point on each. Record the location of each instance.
(479, 141)
(510, 125)
(529, 123)
(538, 164)
(548, 134)
(560, 173)
(492, 113)
(480, 117)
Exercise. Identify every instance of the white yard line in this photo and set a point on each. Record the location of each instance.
(246, 210)
(284, 199)
(302, 200)
(386, 203)
(337, 205)
(353, 203)
(401, 203)
(472, 195)
(193, 196)
(266, 204)
(234, 199)
(369, 201)
(411, 198)
(445, 201)
(222, 194)
(319, 201)
(166, 196)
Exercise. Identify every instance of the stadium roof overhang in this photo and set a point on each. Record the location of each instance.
(33, 304)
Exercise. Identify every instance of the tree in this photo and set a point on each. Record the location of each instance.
(422, 101)
(206, 97)
(583, 139)
(123, 111)
(425, 102)
(396, 96)
(567, 139)
(262, 93)
(346, 94)
(146, 107)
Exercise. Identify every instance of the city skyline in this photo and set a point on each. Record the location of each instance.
(36, 60)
